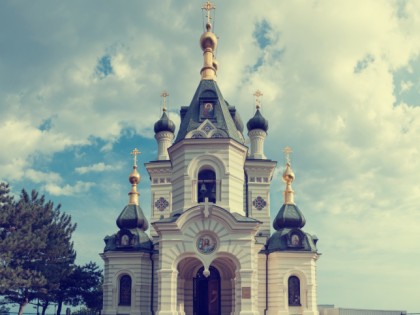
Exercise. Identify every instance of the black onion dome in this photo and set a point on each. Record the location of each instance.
(164, 124)
(289, 216)
(132, 217)
(257, 122)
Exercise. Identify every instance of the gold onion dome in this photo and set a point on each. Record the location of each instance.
(134, 176)
(208, 39)
(288, 174)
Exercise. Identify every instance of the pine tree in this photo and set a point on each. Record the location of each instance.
(35, 246)
(83, 285)
(58, 262)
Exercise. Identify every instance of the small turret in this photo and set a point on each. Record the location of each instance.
(290, 220)
(164, 131)
(132, 222)
(257, 130)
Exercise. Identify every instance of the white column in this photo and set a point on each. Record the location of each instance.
(257, 137)
(164, 139)
(181, 293)
(249, 306)
(167, 292)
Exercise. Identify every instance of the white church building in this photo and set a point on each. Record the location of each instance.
(210, 250)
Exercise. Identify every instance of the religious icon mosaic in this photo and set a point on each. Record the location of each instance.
(206, 244)
(207, 111)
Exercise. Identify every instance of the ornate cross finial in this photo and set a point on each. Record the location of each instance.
(134, 153)
(208, 6)
(164, 95)
(257, 95)
(287, 151)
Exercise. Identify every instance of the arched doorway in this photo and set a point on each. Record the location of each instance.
(188, 269)
(206, 292)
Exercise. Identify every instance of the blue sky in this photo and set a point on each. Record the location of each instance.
(80, 86)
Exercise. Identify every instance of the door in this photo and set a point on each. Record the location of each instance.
(207, 293)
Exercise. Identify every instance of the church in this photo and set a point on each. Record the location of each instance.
(209, 249)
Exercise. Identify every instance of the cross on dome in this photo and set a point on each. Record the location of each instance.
(257, 95)
(134, 153)
(208, 6)
(287, 151)
(164, 95)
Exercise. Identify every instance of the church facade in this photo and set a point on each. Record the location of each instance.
(210, 249)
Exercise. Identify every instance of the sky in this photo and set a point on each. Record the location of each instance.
(80, 85)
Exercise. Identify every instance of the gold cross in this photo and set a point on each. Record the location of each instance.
(287, 151)
(135, 152)
(164, 95)
(257, 95)
(208, 6)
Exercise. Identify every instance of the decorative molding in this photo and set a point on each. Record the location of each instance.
(161, 204)
(259, 203)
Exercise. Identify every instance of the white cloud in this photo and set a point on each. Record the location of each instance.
(406, 86)
(21, 141)
(42, 177)
(98, 167)
(68, 190)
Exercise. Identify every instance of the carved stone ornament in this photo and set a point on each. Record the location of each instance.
(161, 204)
(259, 203)
(206, 244)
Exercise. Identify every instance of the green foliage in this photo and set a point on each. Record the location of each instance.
(36, 251)
(83, 285)
(4, 310)
(85, 311)
(92, 289)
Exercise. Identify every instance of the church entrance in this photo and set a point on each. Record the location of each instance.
(212, 295)
(206, 292)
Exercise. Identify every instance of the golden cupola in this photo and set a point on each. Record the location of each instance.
(208, 43)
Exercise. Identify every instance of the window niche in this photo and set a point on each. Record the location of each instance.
(125, 290)
(294, 291)
(206, 185)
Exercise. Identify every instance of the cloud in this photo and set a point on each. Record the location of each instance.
(406, 86)
(68, 190)
(42, 177)
(22, 141)
(98, 167)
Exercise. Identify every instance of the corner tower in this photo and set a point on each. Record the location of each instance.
(292, 256)
(127, 258)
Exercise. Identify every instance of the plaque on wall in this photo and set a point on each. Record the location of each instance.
(246, 292)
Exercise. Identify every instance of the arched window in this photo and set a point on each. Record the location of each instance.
(294, 291)
(206, 185)
(125, 290)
